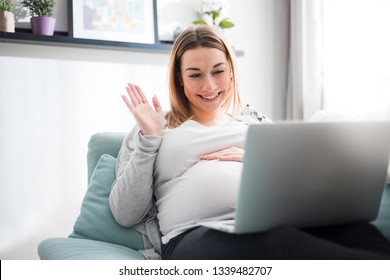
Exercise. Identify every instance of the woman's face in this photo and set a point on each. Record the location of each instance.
(206, 77)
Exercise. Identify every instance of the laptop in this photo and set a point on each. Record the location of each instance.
(310, 175)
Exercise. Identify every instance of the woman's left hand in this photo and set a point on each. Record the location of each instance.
(229, 154)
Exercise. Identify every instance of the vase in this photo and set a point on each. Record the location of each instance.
(7, 22)
(43, 25)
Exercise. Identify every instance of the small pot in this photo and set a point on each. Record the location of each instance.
(43, 25)
(7, 22)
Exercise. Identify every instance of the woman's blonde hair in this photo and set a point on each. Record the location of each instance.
(192, 38)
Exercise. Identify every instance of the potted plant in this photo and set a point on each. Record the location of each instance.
(7, 18)
(41, 12)
(214, 13)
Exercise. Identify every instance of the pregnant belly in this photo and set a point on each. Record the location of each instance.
(207, 190)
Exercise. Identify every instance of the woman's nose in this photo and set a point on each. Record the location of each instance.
(208, 84)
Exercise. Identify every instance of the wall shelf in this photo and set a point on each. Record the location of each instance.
(25, 36)
(63, 39)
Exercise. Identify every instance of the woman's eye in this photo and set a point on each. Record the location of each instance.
(218, 72)
(195, 75)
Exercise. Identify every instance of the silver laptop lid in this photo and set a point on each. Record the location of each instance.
(312, 174)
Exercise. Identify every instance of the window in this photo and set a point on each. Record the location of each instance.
(356, 54)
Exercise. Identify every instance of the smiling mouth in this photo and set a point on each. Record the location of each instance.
(210, 97)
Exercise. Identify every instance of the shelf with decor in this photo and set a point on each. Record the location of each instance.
(78, 35)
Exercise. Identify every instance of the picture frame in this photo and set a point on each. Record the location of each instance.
(128, 21)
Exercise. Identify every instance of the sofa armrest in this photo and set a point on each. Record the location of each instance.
(84, 249)
(383, 220)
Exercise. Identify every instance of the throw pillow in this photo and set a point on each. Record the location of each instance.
(95, 220)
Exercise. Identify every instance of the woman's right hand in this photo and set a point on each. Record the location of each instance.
(150, 120)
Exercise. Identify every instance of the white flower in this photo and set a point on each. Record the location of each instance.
(214, 12)
(208, 6)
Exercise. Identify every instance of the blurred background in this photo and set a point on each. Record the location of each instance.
(297, 57)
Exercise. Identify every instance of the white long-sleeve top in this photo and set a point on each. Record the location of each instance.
(189, 190)
(138, 175)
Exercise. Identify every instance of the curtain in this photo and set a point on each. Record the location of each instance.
(304, 93)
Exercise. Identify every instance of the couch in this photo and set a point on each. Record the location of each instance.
(96, 235)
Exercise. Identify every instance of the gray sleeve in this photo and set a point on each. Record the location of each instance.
(131, 196)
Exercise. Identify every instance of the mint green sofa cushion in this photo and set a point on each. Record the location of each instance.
(95, 220)
(383, 219)
(103, 143)
(82, 249)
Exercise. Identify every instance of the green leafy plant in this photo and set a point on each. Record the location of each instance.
(214, 12)
(6, 5)
(39, 8)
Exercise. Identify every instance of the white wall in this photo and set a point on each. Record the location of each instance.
(53, 98)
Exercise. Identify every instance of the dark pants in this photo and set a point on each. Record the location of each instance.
(354, 241)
